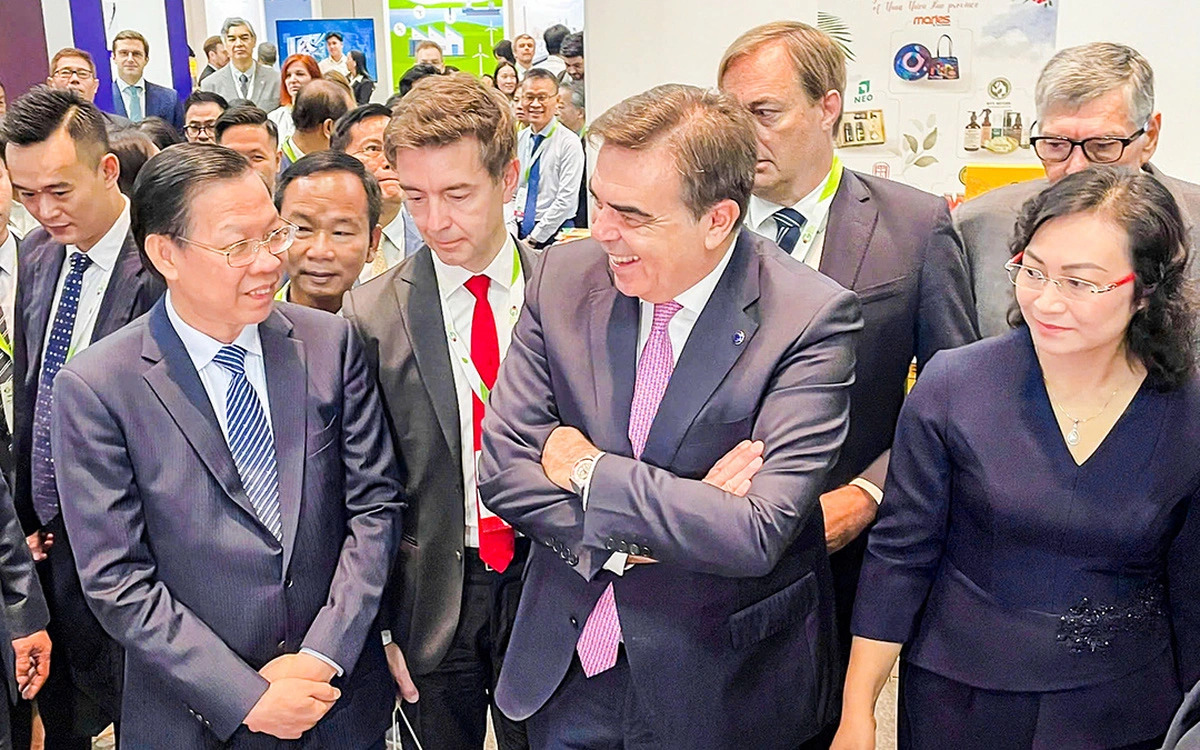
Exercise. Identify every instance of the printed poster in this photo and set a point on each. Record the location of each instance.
(466, 31)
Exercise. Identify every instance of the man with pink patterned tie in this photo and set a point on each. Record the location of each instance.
(674, 394)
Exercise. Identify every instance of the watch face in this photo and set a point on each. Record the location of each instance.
(581, 470)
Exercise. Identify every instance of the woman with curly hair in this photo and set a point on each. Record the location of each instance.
(1035, 555)
(296, 71)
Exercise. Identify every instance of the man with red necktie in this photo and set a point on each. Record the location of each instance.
(437, 326)
(676, 391)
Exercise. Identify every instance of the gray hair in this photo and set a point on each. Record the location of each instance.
(1078, 75)
(235, 21)
(577, 98)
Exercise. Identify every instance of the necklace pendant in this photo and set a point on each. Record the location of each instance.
(1073, 435)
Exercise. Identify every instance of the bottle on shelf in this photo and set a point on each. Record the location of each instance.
(972, 135)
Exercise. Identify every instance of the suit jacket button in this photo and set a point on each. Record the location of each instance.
(458, 554)
(646, 551)
(574, 622)
(574, 560)
(622, 547)
(563, 554)
(635, 549)
(287, 583)
(609, 545)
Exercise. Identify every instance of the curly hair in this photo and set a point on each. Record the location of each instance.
(1160, 334)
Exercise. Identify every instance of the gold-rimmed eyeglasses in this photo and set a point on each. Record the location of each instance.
(241, 254)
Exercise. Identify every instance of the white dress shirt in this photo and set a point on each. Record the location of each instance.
(552, 63)
(237, 80)
(8, 279)
(128, 94)
(95, 283)
(761, 220)
(328, 64)
(692, 302)
(202, 349)
(560, 177)
(461, 306)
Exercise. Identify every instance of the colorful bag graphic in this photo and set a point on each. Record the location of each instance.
(944, 67)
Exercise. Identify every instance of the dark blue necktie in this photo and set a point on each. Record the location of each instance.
(529, 220)
(45, 494)
(250, 439)
(788, 223)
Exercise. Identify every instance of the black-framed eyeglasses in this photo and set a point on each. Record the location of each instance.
(1104, 149)
(195, 129)
(241, 254)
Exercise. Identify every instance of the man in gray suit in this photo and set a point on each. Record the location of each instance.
(230, 485)
(457, 578)
(676, 392)
(244, 77)
(1095, 105)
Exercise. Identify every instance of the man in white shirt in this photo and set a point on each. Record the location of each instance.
(79, 279)
(133, 96)
(336, 59)
(674, 395)
(439, 325)
(244, 77)
(552, 163)
(359, 133)
(334, 204)
(242, 569)
(553, 61)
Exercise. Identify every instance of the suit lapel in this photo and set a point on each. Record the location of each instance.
(177, 384)
(43, 284)
(287, 391)
(712, 349)
(122, 290)
(613, 330)
(852, 219)
(118, 100)
(421, 309)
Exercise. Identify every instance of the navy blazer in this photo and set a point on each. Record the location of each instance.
(160, 101)
(1005, 566)
(730, 637)
(176, 563)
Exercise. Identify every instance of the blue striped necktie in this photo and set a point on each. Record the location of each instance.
(250, 440)
(788, 222)
(45, 494)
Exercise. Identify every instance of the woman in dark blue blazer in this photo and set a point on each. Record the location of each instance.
(1034, 563)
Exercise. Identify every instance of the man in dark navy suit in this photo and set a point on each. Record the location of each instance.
(133, 96)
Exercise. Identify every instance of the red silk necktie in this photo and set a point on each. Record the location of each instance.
(495, 536)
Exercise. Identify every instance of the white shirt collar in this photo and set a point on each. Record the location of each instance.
(760, 210)
(201, 347)
(249, 76)
(394, 231)
(500, 270)
(104, 253)
(695, 298)
(126, 86)
(8, 254)
(546, 130)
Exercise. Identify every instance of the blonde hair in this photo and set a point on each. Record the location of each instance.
(710, 136)
(819, 62)
(441, 110)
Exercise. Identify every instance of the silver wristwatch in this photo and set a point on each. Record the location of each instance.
(581, 473)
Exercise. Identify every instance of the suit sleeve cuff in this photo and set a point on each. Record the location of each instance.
(868, 487)
(325, 659)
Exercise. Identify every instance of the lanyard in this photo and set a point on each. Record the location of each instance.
(461, 353)
(289, 150)
(815, 224)
(537, 154)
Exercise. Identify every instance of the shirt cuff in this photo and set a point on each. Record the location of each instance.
(868, 487)
(587, 488)
(325, 659)
(386, 635)
(617, 562)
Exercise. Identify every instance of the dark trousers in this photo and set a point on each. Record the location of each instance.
(82, 694)
(600, 713)
(455, 697)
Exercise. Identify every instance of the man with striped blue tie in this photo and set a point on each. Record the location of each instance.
(229, 483)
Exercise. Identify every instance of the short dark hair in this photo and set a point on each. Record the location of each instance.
(504, 51)
(572, 45)
(333, 161)
(72, 52)
(541, 74)
(414, 74)
(199, 96)
(1160, 334)
(245, 115)
(160, 131)
(268, 54)
(211, 43)
(130, 34)
(317, 101)
(340, 139)
(554, 36)
(334, 35)
(42, 111)
(164, 189)
(133, 149)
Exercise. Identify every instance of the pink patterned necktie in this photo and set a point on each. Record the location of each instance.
(601, 636)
